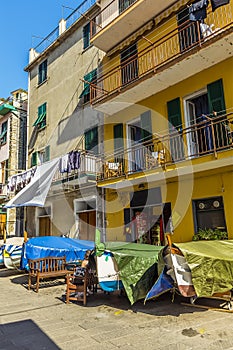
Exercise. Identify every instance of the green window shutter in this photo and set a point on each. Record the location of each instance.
(41, 119)
(91, 140)
(90, 77)
(86, 36)
(118, 137)
(47, 153)
(174, 114)
(34, 159)
(146, 126)
(175, 124)
(216, 97)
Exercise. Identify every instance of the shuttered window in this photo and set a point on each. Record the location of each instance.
(174, 114)
(88, 78)
(34, 158)
(47, 153)
(86, 36)
(42, 72)
(41, 119)
(175, 124)
(118, 137)
(146, 126)
(216, 97)
(91, 140)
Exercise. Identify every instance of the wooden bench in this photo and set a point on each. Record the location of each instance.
(46, 268)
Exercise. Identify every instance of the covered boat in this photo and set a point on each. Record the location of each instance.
(196, 269)
(11, 252)
(41, 247)
(132, 264)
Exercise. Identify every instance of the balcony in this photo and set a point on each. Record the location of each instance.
(72, 178)
(164, 62)
(196, 148)
(121, 18)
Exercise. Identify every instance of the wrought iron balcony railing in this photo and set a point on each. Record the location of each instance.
(174, 44)
(210, 136)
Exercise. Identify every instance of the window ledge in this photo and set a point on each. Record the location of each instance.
(87, 48)
(42, 83)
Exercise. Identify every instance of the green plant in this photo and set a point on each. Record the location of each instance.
(210, 234)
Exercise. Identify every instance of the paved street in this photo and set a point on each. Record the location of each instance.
(43, 321)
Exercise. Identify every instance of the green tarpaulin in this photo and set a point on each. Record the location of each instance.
(137, 264)
(211, 264)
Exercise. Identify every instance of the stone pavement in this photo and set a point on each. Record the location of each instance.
(31, 321)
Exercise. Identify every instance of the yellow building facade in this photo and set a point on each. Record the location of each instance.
(165, 87)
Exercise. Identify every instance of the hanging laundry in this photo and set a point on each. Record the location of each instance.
(198, 10)
(217, 3)
(74, 160)
(64, 163)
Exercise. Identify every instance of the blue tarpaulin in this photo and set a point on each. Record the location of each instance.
(41, 247)
(163, 284)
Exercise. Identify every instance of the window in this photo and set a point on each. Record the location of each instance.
(88, 30)
(124, 4)
(42, 72)
(41, 119)
(91, 140)
(209, 214)
(88, 78)
(34, 158)
(44, 155)
(3, 136)
(40, 157)
(129, 64)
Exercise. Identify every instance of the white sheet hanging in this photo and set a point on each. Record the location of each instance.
(34, 194)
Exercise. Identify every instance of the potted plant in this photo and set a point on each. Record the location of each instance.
(210, 234)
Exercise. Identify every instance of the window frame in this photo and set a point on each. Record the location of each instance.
(42, 72)
(4, 128)
(42, 112)
(208, 208)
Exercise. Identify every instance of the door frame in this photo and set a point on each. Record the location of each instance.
(130, 158)
(186, 99)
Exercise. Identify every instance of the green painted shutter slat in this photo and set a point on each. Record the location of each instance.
(146, 126)
(34, 159)
(47, 153)
(174, 114)
(216, 97)
(118, 137)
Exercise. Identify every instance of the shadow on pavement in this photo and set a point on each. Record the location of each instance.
(162, 306)
(24, 335)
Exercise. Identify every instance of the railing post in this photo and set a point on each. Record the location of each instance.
(119, 79)
(214, 141)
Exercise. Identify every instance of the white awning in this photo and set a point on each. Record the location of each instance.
(35, 193)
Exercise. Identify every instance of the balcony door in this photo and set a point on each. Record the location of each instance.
(135, 149)
(129, 64)
(139, 135)
(199, 136)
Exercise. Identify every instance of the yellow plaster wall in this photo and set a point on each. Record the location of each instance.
(204, 186)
